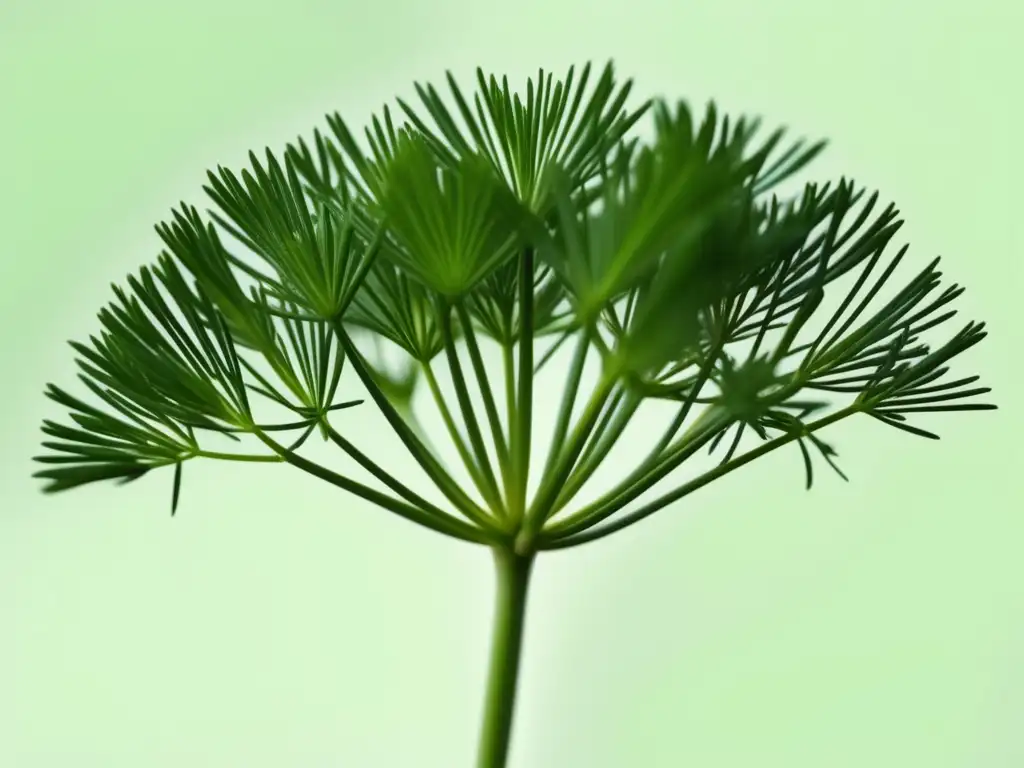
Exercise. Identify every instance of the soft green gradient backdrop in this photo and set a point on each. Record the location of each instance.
(278, 623)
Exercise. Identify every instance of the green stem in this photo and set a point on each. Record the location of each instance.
(423, 456)
(600, 531)
(385, 477)
(484, 385)
(640, 480)
(572, 385)
(442, 524)
(509, 371)
(236, 457)
(468, 460)
(658, 463)
(513, 579)
(476, 439)
(558, 473)
(520, 428)
(606, 434)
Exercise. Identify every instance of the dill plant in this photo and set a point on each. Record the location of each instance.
(527, 221)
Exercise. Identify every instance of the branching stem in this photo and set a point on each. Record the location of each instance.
(485, 473)
(591, 533)
(468, 459)
(521, 421)
(423, 456)
(484, 385)
(440, 523)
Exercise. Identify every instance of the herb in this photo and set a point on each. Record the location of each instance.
(522, 223)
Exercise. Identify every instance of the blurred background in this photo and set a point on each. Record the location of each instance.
(278, 622)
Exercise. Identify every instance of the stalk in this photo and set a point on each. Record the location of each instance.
(521, 426)
(513, 579)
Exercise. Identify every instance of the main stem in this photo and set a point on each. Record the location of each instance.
(513, 580)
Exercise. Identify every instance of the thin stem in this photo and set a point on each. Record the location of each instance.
(579, 359)
(659, 461)
(441, 524)
(606, 435)
(237, 457)
(593, 534)
(509, 372)
(522, 425)
(553, 481)
(423, 456)
(550, 351)
(453, 432)
(513, 579)
(476, 439)
(484, 385)
(381, 474)
(643, 478)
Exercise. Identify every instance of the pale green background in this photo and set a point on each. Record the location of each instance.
(276, 622)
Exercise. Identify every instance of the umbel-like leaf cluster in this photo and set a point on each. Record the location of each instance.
(517, 222)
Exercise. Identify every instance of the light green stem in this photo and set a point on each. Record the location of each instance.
(590, 531)
(415, 446)
(481, 459)
(513, 580)
(521, 427)
(486, 392)
(489, 494)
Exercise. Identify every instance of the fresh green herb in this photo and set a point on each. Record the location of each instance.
(528, 224)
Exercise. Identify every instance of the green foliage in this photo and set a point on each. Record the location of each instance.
(519, 221)
(454, 224)
(515, 224)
